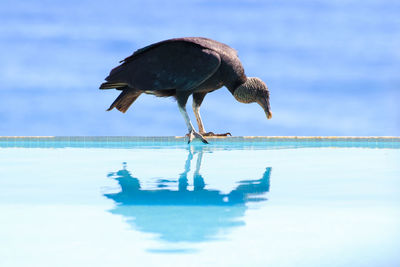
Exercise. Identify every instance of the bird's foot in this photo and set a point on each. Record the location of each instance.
(193, 134)
(213, 134)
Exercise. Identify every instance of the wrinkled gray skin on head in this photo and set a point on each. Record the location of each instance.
(254, 90)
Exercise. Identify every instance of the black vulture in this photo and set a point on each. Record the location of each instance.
(181, 67)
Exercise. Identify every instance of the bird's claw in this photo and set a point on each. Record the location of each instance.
(213, 134)
(193, 134)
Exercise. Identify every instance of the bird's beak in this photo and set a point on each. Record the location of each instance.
(264, 103)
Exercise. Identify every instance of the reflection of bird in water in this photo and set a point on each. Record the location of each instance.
(184, 215)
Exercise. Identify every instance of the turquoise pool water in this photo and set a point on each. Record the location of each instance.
(101, 201)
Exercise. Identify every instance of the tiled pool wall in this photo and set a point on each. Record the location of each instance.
(177, 142)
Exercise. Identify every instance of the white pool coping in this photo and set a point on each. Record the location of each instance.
(230, 138)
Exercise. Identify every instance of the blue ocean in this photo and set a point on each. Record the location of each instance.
(332, 66)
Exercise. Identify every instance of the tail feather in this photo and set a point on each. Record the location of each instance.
(112, 85)
(125, 100)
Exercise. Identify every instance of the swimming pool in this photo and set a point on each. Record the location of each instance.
(156, 201)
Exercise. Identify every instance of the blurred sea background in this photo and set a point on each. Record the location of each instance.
(332, 67)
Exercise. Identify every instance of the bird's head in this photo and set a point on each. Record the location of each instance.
(254, 90)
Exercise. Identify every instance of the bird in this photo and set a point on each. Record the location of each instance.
(184, 67)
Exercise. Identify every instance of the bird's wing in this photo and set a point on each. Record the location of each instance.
(201, 41)
(170, 65)
(142, 50)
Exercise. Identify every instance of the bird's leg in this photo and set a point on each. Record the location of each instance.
(196, 110)
(192, 133)
(197, 100)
